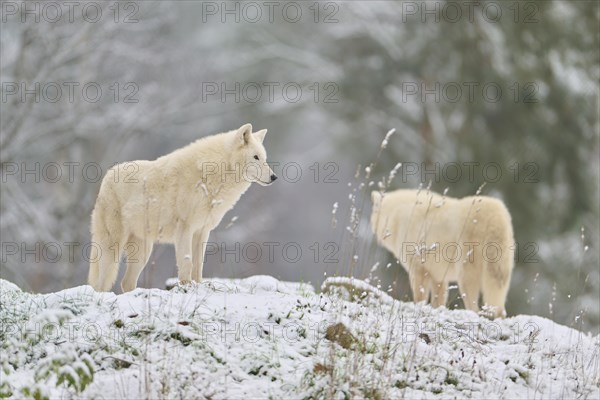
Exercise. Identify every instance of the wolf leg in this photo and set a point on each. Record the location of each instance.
(138, 253)
(183, 254)
(199, 248)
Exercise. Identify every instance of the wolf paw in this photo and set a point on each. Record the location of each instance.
(491, 312)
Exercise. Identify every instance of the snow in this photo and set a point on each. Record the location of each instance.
(263, 338)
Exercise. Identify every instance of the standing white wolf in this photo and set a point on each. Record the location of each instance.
(178, 198)
(439, 239)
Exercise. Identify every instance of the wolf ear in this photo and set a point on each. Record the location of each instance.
(260, 135)
(243, 133)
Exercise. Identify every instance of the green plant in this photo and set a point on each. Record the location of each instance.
(68, 367)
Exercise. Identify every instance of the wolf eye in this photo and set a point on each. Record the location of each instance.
(256, 157)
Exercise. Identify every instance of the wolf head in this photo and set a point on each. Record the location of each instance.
(252, 156)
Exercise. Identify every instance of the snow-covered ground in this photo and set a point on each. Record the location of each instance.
(262, 338)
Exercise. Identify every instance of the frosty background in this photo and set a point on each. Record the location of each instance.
(504, 93)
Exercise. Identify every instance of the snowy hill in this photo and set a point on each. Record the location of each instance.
(262, 338)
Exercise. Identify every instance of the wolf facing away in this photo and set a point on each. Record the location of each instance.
(439, 239)
(178, 198)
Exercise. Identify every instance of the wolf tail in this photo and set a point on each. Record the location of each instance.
(104, 263)
(498, 268)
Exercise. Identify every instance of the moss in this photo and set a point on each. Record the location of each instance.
(178, 336)
(322, 369)
(341, 335)
(524, 375)
(451, 379)
(255, 370)
(371, 393)
(400, 384)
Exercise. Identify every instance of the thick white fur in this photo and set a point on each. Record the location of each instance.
(439, 239)
(178, 198)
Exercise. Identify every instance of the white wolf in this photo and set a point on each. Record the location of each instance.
(178, 198)
(439, 239)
